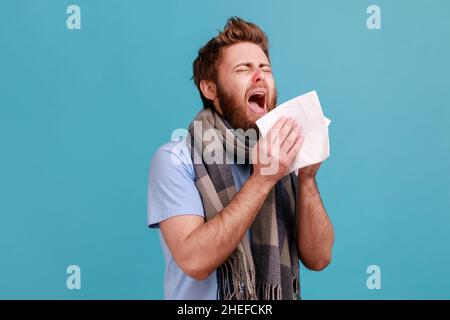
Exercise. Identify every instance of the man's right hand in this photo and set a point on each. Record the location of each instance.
(273, 154)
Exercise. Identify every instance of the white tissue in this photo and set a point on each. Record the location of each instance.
(306, 110)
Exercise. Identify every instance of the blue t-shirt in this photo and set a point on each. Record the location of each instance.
(172, 192)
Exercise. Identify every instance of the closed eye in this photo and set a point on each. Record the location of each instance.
(248, 67)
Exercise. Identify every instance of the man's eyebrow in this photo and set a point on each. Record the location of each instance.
(248, 64)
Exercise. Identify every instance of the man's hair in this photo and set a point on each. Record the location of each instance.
(236, 30)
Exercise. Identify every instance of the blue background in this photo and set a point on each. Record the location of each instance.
(82, 112)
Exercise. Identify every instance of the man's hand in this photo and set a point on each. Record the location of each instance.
(309, 172)
(273, 154)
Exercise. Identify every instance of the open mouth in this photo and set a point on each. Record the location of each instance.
(257, 102)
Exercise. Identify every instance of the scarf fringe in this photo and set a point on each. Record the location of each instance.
(236, 282)
(268, 291)
(296, 286)
(234, 277)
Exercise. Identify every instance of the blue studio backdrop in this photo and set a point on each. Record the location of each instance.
(83, 108)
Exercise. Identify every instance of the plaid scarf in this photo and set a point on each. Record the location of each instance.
(266, 266)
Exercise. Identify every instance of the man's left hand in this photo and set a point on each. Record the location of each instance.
(309, 172)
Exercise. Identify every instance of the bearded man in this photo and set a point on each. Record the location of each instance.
(234, 229)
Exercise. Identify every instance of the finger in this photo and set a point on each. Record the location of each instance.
(296, 147)
(288, 126)
(278, 125)
(268, 142)
(290, 138)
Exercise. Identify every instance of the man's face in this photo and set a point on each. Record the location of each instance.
(245, 86)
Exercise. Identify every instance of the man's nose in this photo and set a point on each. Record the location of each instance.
(258, 75)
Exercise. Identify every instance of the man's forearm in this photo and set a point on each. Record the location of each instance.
(315, 235)
(214, 241)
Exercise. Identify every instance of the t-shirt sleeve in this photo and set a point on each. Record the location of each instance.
(171, 185)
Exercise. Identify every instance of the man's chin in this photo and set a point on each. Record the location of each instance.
(250, 121)
(251, 125)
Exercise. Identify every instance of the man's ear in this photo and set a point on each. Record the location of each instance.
(208, 89)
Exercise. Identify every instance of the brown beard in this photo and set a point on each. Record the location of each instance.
(235, 111)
